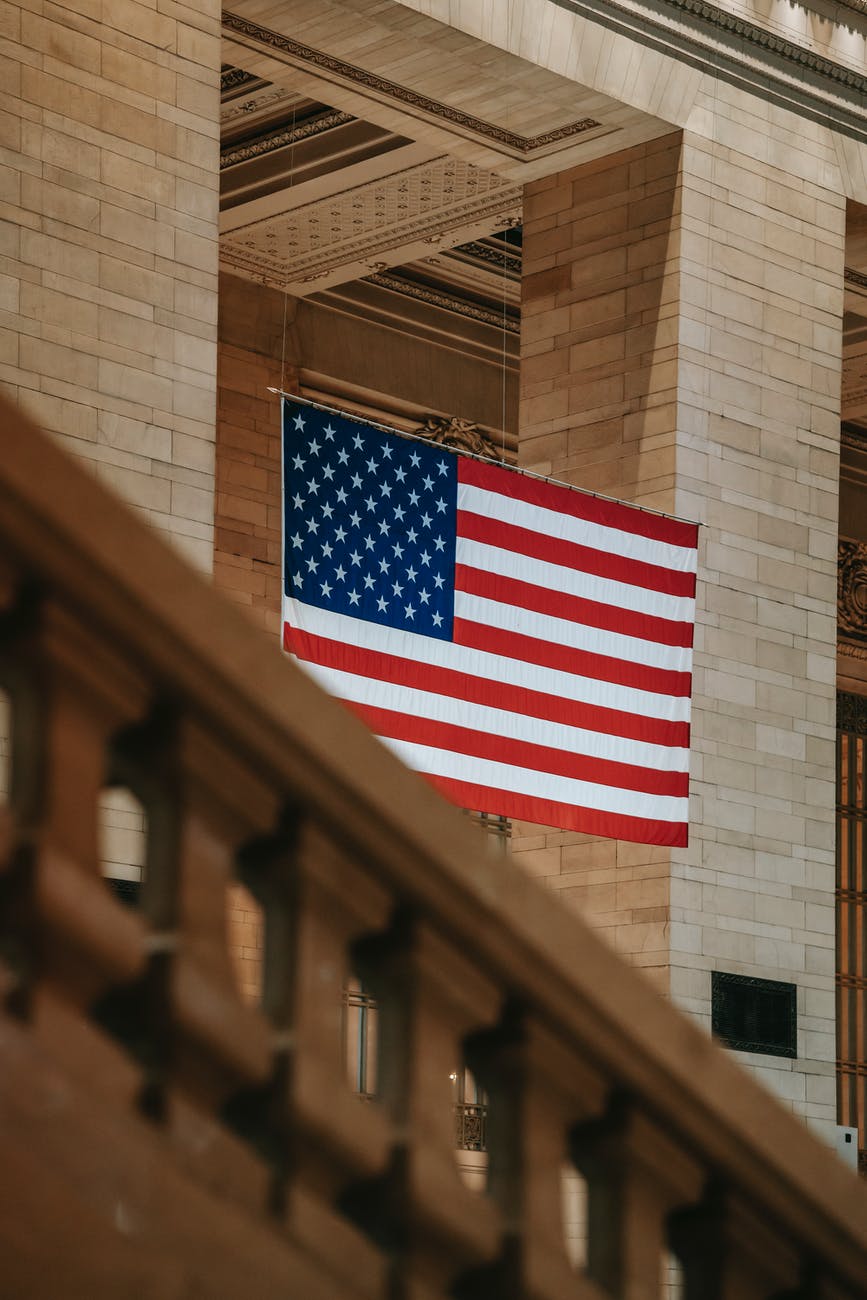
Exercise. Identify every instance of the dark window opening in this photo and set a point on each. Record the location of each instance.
(754, 1015)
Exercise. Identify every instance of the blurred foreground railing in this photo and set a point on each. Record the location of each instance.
(160, 1136)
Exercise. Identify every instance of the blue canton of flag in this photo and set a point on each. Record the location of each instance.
(370, 523)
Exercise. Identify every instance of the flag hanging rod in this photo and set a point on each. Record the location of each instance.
(474, 455)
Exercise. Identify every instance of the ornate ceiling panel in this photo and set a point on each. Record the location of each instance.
(373, 225)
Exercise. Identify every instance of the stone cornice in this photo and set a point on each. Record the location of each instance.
(762, 39)
(742, 53)
(295, 52)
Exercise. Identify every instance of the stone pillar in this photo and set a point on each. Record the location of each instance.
(681, 348)
(108, 288)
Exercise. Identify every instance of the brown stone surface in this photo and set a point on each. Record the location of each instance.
(238, 1179)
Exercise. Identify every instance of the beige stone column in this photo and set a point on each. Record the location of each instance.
(109, 172)
(681, 348)
(108, 243)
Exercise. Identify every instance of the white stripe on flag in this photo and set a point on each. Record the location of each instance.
(498, 722)
(578, 636)
(556, 577)
(482, 664)
(539, 785)
(551, 523)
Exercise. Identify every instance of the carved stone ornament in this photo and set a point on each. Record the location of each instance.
(852, 597)
(452, 431)
(852, 713)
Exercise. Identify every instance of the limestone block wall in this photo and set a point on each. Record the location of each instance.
(599, 379)
(682, 343)
(762, 245)
(109, 135)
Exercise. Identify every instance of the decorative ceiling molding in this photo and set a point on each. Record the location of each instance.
(264, 96)
(852, 437)
(232, 79)
(295, 52)
(504, 259)
(283, 137)
(776, 68)
(421, 204)
(509, 322)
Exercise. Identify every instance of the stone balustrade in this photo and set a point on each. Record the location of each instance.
(162, 1137)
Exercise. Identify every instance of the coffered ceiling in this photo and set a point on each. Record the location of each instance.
(359, 136)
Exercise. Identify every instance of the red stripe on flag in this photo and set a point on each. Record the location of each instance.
(574, 609)
(563, 816)
(571, 555)
(566, 659)
(519, 753)
(568, 501)
(478, 690)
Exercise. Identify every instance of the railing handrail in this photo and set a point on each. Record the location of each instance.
(67, 528)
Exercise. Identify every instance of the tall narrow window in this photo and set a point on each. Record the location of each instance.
(852, 917)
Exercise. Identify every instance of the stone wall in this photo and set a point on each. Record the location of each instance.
(598, 408)
(682, 331)
(108, 243)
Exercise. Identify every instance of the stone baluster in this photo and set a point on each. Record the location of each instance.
(636, 1176)
(220, 1042)
(538, 1090)
(431, 995)
(317, 903)
(184, 1019)
(729, 1253)
(70, 689)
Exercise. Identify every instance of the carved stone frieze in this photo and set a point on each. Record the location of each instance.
(284, 137)
(852, 712)
(232, 79)
(464, 435)
(509, 322)
(505, 259)
(852, 598)
(852, 589)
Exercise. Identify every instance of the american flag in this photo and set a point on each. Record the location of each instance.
(525, 646)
